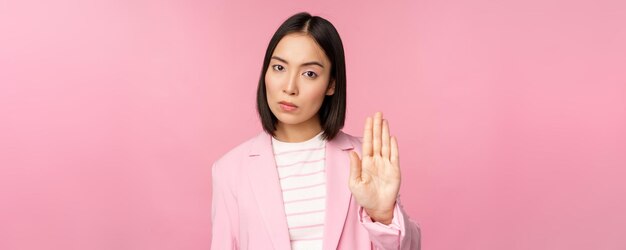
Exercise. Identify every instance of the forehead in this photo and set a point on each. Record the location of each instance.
(299, 48)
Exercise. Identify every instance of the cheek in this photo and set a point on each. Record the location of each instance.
(270, 83)
(316, 93)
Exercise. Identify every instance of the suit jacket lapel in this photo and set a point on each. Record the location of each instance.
(263, 176)
(338, 193)
(266, 188)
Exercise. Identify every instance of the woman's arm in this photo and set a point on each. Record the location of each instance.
(375, 184)
(401, 233)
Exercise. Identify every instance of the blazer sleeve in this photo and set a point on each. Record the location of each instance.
(402, 233)
(224, 218)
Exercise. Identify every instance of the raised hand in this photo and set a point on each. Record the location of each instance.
(375, 176)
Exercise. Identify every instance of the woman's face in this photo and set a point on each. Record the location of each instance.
(297, 80)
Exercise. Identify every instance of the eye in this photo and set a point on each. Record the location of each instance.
(278, 67)
(310, 74)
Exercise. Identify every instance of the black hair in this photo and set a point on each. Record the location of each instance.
(332, 113)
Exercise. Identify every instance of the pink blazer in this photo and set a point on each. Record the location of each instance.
(248, 211)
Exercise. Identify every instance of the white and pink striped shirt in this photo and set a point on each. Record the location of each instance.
(302, 176)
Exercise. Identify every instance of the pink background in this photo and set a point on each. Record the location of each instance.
(510, 115)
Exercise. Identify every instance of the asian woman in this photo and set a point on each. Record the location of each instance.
(302, 183)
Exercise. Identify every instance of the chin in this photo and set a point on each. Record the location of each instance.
(288, 119)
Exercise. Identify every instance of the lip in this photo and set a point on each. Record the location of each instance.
(288, 104)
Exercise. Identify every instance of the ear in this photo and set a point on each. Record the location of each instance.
(331, 88)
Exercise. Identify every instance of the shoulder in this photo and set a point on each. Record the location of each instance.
(355, 140)
(344, 142)
(235, 155)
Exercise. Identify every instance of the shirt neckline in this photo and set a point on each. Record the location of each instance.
(316, 138)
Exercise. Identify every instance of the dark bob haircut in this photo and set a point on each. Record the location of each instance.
(332, 113)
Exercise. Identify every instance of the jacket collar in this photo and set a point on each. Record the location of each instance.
(263, 177)
(263, 140)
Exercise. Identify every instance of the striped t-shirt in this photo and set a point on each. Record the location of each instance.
(302, 176)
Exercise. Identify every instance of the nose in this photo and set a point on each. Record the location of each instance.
(291, 88)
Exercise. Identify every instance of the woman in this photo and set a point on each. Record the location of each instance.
(300, 184)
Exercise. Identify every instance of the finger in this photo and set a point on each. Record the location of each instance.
(376, 142)
(395, 157)
(355, 166)
(385, 140)
(367, 138)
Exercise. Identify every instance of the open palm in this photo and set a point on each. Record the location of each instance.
(375, 176)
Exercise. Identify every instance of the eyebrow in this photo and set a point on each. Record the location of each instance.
(304, 64)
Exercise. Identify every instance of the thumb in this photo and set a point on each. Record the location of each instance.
(355, 166)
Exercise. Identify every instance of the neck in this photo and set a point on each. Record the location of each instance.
(297, 132)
